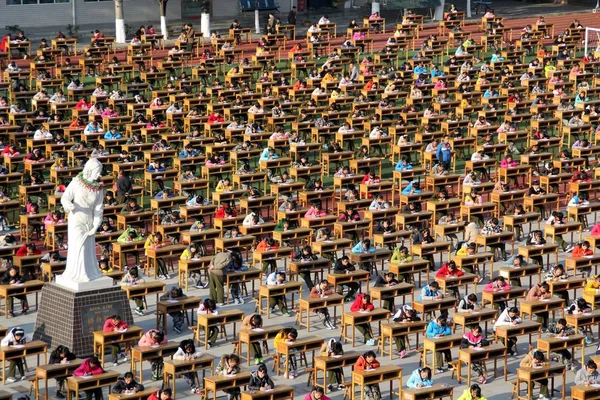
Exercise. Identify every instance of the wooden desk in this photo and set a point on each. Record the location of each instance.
(144, 289)
(411, 267)
(205, 321)
(248, 336)
(539, 250)
(77, 384)
(585, 392)
(312, 303)
(163, 308)
(172, 368)
(266, 292)
(436, 391)
(436, 344)
(102, 339)
(582, 262)
(431, 249)
(139, 354)
(53, 371)
(331, 246)
(583, 320)
(164, 253)
(473, 261)
(385, 373)
(458, 281)
(299, 346)
(509, 272)
(281, 392)
(480, 354)
(355, 318)
(390, 293)
(429, 306)
(400, 329)
(529, 375)
(33, 348)
(26, 288)
(358, 275)
(514, 293)
(551, 344)
(531, 307)
(473, 317)
(523, 328)
(378, 255)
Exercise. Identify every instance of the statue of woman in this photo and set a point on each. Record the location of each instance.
(83, 201)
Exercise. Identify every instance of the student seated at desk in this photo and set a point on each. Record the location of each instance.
(535, 191)
(420, 378)
(468, 303)
(253, 219)
(403, 164)
(448, 219)
(128, 384)
(306, 254)
(475, 339)
(540, 291)
(322, 291)
(209, 306)
(534, 359)
(536, 238)
(438, 328)
(265, 245)
(317, 392)
(224, 185)
(583, 249)
(12, 277)
(161, 394)
(589, 375)
(14, 337)
(187, 351)
(579, 200)
(315, 211)
(498, 284)
(132, 207)
(254, 322)
(333, 348)
(431, 292)
(153, 338)
(90, 367)
(560, 329)
(274, 279)
(472, 393)
(364, 246)
(175, 294)
(133, 278)
(387, 279)
(558, 218)
(61, 355)
(509, 317)
(225, 212)
(195, 250)
(367, 362)
(401, 256)
(114, 323)
(285, 225)
(404, 314)
(155, 241)
(343, 266)
(287, 335)
(260, 380)
(363, 304)
(450, 270)
(268, 154)
(414, 187)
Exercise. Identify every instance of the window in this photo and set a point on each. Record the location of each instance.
(93, 1)
(29, 2)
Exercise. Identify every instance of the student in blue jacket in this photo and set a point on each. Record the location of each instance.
(413, 187)
(431, 292)
(420, 378)
(403, 164)
(438, 328)
(444, 151)
(364, 246)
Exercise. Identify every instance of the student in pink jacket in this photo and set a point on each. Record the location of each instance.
(508, 162)
(114, 324)
(154, 338)
(497, 285)
(91, 366)
(317, 393)
(315, 211)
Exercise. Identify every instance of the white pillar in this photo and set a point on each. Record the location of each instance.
(375, 7)
(468, 8)
(205, 25)
(163, 27)
(120, 30)
(439, 12)
(257, 21)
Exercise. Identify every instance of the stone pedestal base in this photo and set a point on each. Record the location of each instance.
(71, 317)
(97, 284)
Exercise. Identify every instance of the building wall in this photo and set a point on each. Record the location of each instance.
(231, 8)
(88, 13)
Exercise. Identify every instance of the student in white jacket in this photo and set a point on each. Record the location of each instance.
(16, 336)
(187, 351)
(508, 317)
(252, 219)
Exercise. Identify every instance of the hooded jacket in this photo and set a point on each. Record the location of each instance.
(9, 339)
(469, 339)
(147, 340)
(256, 382)
(122, 386)
(357, 305)
(434, 329)
(86, 369)
(415, 379)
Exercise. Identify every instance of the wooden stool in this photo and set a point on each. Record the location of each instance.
(311, 373)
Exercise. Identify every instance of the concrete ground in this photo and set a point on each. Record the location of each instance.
(495, 389)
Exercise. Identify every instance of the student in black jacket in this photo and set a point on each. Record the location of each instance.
(260, 379)
(343, 266)
(12, 277)
(387, 279)
(127, 385)
(61, 355)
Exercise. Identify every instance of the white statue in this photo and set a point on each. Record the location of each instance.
(84, 202)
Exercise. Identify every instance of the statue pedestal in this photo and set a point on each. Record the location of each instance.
(97, 284)
(70, 317)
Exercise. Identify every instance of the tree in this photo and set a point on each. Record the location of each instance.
(119, 22)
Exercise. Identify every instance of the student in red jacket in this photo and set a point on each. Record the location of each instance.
(154, 337)
(225, 212)
(115, 324)
(161, 394)
(363, 304)
(367, 362)
(27, 249)
(581, 250)
(91, 366)
(450, 270)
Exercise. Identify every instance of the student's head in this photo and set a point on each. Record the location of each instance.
(128, 377)
(370, 356)
(158, 336)
(233, 360)
(538, 356)
(209, 304)
(262, 371)
(475, 391)
(94, 362)
(476, 330)
(434, 285)
(165, 394)
(291, 334)
(544, 288)
(585, 245)
(134, 272)
(366, 299)
(256, 321)
(317, 392)
(513, 312)
(472, 298)
(591, 367)
(425, 373)
(280, 276)
(18, 333)
(324, 284)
